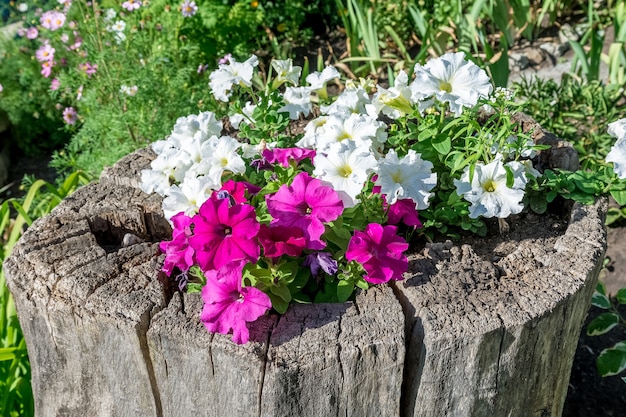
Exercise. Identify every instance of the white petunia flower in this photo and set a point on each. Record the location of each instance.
(187, 198)
(617, 155)
(451, 79)
(361, 129)
(406, 177)
(311, 130)
(346, 167)
(201, 126)
(154, 181)
(617, 129)
(318, 80)
(394, 102)
(286, 72)
(488, 192)
(297, 101)
(233, 73)
(352, 100)
(221, 156)
(245, 116)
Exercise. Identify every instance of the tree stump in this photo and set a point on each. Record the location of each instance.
(484, 327)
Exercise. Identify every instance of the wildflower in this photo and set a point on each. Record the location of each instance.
(65, 38)
(202, 68)
(45, 53)
(233, 73)
(109, 14)
(380, 250)
(225, 59)
(451, 79)
(347, 167)
(228, 305)
(408, 177)
(488, 192)
(188, 8)
(22, 7)
(69, 115)
(129, 91)
(117, 29)
(79, 93)
(131, 5)
(281, 240)
(88, 68)
(1, 88)
(321, 260)
(285, 72)
(32, 32)
(52, 20)
(178, 253)
(54, 84)
(307, 203)
(224, 233)
(46, 68)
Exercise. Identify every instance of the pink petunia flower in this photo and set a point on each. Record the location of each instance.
(306, 204)
(32, 32)
(178, 253)
(380, 250)
(281, 240)
(237, 190)
(131, 5)
(69, 116)
(45, 53)
(284, 156)
(230, 306)
(224, 233)
(55, 84)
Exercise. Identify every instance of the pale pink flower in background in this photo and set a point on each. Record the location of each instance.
(52, 20)
(225, 59)
(54, 84)
(131, 5)
(65, 38)
(45, 53)
(69, 115)
(32, 32)
(89, 68)
(46, 68)
(21, 32)
(189, 8)
(202, 68)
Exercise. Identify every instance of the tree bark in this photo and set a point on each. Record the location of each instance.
(478, 328)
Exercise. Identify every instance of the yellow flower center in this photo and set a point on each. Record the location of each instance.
(224, 161)
(445, 86)
(490, 186)
(345, 171)
(397, 177)
(344, 135)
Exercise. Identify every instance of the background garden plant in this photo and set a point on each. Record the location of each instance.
(125, 79)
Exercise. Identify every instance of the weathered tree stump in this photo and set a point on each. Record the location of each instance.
(480, 328)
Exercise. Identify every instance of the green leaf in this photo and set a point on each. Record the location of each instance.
(619, 196)
(7, 354)
(602, 324)
(621, 296)
(278, 303)
(281, 291)
(193, 287)
(601, 288)
(442, 144)
(612, 361)
(344, 290)
(600, 301)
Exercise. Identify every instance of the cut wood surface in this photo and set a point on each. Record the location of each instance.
(478, 328)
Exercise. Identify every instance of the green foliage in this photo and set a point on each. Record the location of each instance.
(611, 361)
(16, 397)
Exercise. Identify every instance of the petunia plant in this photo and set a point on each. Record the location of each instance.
(309, 197)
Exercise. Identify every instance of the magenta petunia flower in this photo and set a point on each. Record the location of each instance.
(403, 210)
(380, 250)
(178, 253)
(237, 190)
(224, 233)
(230, 306)
(306, 204)
(285, 155)
(281, 240)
